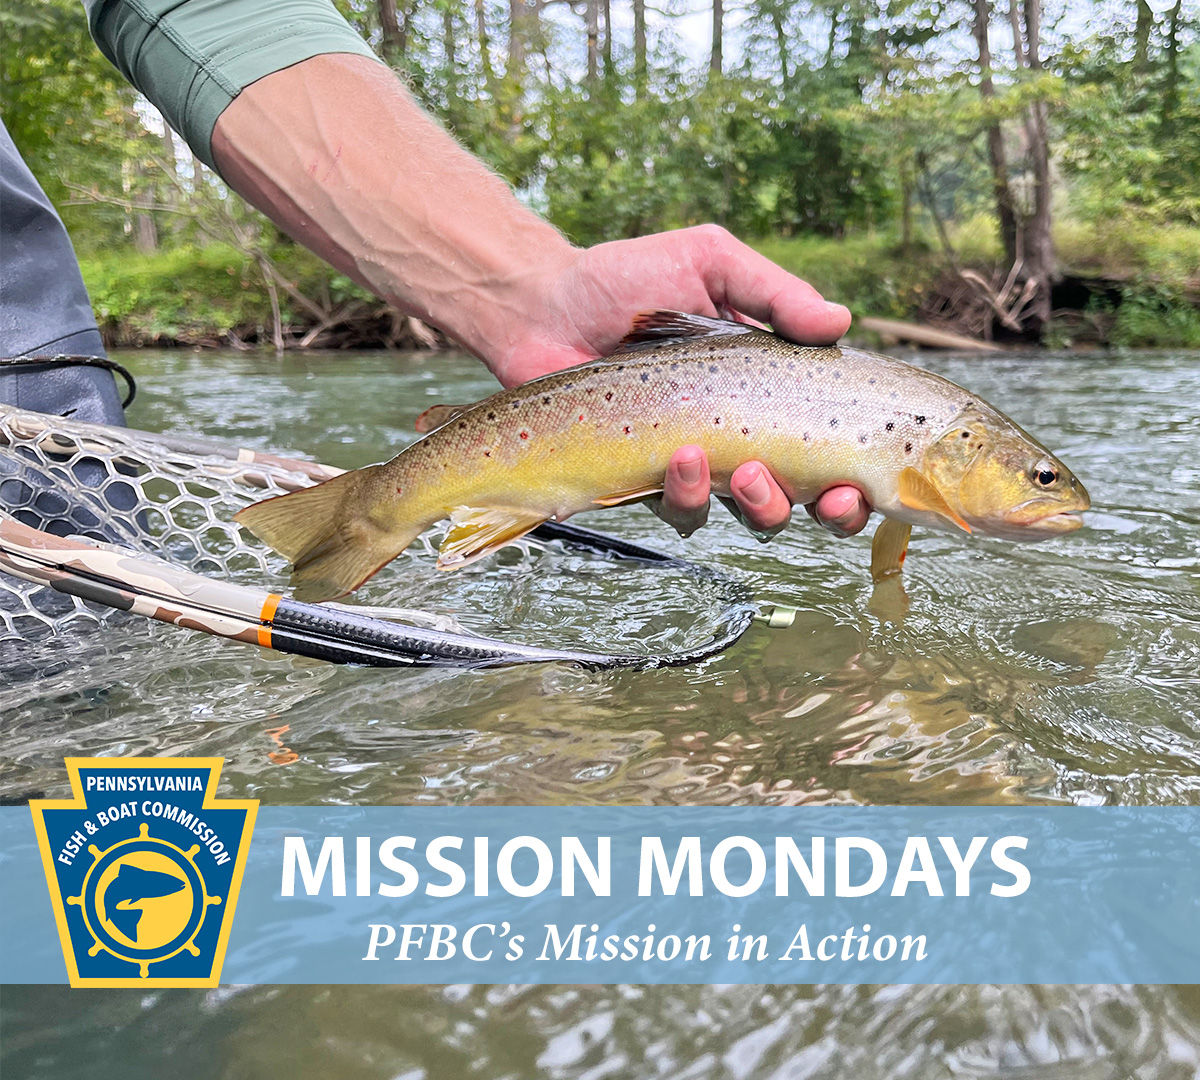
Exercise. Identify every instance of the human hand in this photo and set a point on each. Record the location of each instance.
(584, 303)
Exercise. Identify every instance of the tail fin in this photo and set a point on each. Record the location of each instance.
(328, 534)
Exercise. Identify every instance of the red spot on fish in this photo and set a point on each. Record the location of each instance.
(487, 453)
(524, 434)
(685, 398)
(581, 416)
(399, 491)
(626, 429)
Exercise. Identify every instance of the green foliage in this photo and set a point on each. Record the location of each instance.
(1154, 315)
(68, 110)
(842, 132)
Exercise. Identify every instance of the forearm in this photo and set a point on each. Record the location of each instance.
(338, 154)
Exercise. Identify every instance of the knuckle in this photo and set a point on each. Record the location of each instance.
(713, 236)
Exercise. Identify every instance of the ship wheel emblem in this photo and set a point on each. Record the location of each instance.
(144, 900)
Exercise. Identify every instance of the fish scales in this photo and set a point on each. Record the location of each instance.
(922, 449)
(584, 433)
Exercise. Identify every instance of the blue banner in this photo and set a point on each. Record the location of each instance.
(681, 895)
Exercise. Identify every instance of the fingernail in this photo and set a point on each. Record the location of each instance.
(758, 491)
(689, 471)
(837, 309)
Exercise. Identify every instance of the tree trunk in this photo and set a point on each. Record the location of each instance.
(718, 29)
(1005, 213)
(591, 15)
(1141, 37)
(395, 33)
(1039, 240)
(1170, 98)
(448, 48)
(640, 68)
(519, 16)
(781, 42)
(485, 48)
(610, 70)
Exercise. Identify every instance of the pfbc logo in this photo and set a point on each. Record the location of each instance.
(144, 866)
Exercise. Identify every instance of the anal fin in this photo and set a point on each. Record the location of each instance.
(889, 548)
(477, 531)
(616, 498)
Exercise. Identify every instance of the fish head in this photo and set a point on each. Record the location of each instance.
(1001, 480)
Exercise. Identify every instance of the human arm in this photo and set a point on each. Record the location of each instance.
(335, 150)
(443, 238)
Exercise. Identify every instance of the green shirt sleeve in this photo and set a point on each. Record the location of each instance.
(193, 57)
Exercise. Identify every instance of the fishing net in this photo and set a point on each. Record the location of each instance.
(100, 524)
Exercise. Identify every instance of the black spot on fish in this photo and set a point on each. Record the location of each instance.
(772, 364)
(908, 448)
(608, 396)
(919, 419)
(871, 381)
(837, 374)
(674, 367)
(791, 366)
(713, 369)
(462, 424)
(545, 401)
(716, 419)
(516, 404)
(645, 376)
(487, 453)
(890, 426)
(807, 437)
(745, 431)
(862, 439)
(766, 393)
(742, 384)
(833, 422)
(626, 429)
(491, 416)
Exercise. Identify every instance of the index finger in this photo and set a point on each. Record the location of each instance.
(738, 276)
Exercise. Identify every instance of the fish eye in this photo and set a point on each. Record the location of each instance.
(1044, 474)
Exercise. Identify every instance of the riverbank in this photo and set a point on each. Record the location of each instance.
(1135, 285)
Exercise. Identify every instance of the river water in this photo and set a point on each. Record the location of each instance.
(1065, 672)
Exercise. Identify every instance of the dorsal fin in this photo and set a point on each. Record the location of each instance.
(652, 328)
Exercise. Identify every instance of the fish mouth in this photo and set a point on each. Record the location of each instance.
(1042, 524)
(1063, 522)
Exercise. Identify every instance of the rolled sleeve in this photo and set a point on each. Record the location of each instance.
(193, 57)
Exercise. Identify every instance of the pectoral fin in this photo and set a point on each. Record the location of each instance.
(918, 492)
(889, 548)
(478, 531)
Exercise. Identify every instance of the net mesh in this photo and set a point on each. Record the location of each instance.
(174, 498)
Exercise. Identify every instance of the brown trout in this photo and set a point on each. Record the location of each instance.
(923, 450)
